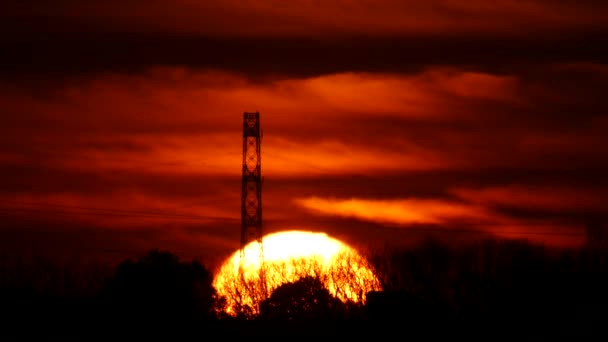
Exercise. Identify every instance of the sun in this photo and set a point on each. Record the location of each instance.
(288, 256)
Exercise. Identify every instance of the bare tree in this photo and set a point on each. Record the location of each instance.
(597, 233)
(348, 276)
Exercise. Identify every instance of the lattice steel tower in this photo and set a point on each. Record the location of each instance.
(251, 198)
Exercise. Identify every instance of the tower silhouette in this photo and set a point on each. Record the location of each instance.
(251, 198)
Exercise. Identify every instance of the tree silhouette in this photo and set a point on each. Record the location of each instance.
(304, 299)
(158, 287)
(597, 233)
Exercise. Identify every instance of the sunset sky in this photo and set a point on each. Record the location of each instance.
(384, 121)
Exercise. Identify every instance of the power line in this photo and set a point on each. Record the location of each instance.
(108, 210)
(57, 155)
(478, 231)
(178, 215)
(125, 213)
(115, 214)
(543, 223)
(130, 251)
(65, 156)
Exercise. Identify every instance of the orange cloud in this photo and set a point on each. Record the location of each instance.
(472, 217)
(177, 121)
(402, 211)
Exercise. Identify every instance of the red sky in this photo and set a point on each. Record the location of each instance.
(384, 121)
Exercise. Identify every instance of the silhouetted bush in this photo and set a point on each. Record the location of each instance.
(159, 288)
(304, 299)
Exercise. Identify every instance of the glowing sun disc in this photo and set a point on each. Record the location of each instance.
(288, 256)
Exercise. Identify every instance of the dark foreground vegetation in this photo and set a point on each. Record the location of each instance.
(494, 281)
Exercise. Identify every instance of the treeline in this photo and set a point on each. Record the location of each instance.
(496, 280)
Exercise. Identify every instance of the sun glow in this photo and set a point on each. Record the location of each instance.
(288, 256)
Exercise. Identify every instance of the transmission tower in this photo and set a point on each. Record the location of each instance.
(251, 200)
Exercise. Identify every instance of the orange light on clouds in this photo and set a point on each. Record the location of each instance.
(327, 157)
(473, 216)
(401, 211)
(175, 125)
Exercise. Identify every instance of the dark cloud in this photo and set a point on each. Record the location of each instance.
(288, 57)
(262, 38)
(309, 18)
